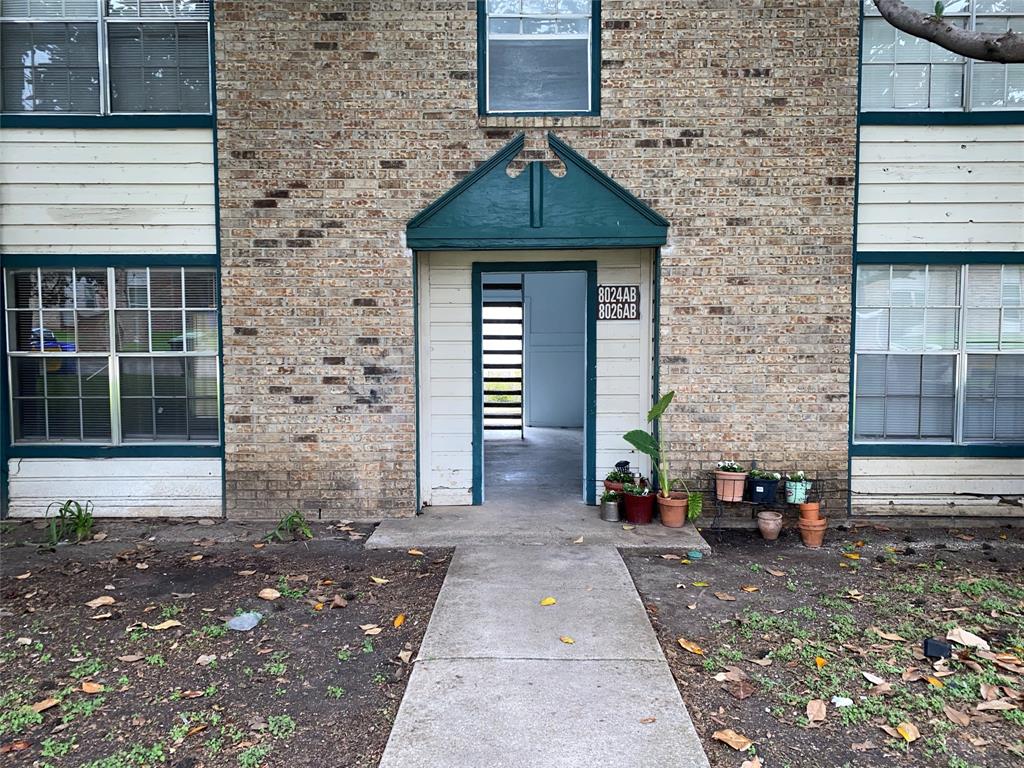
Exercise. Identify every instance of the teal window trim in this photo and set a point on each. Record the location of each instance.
(912, 450)
(131, 450)
(986, 117)
(100, 260)
(590, 416)
(51, 120)
(938, 257)
(595, 70)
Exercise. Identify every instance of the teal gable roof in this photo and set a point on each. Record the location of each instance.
(536, 209)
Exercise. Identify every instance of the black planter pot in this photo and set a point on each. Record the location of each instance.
(761, 491)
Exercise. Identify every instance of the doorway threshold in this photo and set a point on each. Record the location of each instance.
(514, 522)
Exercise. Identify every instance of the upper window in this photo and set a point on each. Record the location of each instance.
(901, 71)
(106, 56)
(540, 56)
(939, 353)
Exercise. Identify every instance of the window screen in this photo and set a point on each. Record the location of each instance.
(918, 376)
(900, 71)
(73, 334)
(538, 56)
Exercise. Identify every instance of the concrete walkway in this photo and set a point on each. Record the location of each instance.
(494, 685)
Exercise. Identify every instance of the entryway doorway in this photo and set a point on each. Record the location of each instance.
(533, 338)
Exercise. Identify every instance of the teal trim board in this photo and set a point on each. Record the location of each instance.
(103, 260)
(590, 417)
(50, 120)
(927, 450)
(988, 117)
(938, 257)
(490, 210)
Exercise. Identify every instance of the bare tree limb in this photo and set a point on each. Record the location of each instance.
(1004, 47)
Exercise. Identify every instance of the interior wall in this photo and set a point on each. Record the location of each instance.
(555, 336)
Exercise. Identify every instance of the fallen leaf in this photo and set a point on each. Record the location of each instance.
(102, 616)
(955, 716)
(935, 682)
(891, 636)
(206, 659)
(18, 745)
(872, 678)
(405, 656)
(23, 576)
(908, 731)
(737, 741)
(816, 711)
(725, 597)
(195, 558)
(183, 595)
(101, 600)
(750, 588)
(163, 625)
(851, 555)
(130, 658)
(819, 662)
(998, 705)
(686, 645)
(371, 629)
(548, 601)
(731, 674)
(742, 689)
(45, 704)
(318, 606)
(567, 640)
(670, 556)
(578, 541)
(647, 720)
(855, 594)
(754, 762)
(969, 639)
(90, 687)
(379, 580)
(268, 593)
(415, 553)
(142, 566)
(765, 662)
(701, 584)
(339, 602)
(775, 573)
(399, 620)
(628, 527)
(247, 573)
(863, 746)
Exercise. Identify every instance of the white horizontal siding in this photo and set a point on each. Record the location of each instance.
(446, 396)
(941, 188)
(934, 481)
(107, 191)
(121, 487)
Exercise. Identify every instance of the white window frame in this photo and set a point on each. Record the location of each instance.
(102, 20)
(112, 355)
(589, 37)
(971, 16)
(962, 353)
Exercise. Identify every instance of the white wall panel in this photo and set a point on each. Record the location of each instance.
(941, 188)
(107, 191)
(121, 487)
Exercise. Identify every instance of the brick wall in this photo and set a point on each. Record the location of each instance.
(340, 120)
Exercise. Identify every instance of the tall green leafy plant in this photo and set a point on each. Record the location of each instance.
(650, 445)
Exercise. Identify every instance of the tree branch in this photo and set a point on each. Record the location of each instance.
(1004, 47)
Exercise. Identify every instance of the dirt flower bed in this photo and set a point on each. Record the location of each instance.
(814, 658)
(116, 653)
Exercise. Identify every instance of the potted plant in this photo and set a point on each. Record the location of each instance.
(673, 508)
(616, 479)
(610, 506)
(639, 503)
(797, 486)
(769, 523)
(729, 480)
(763, 485)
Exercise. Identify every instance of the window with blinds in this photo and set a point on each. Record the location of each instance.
(903, 72)
(105, 56)
(538, 56)
(113, 356)
(939, 353)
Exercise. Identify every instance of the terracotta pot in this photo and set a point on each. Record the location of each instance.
(672, 510)
(639, 509)
(769, 522)
(729, 485)
(610, 486)
(810, 511)
(813, 532)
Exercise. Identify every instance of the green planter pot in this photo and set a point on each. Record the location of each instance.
(796, 491)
